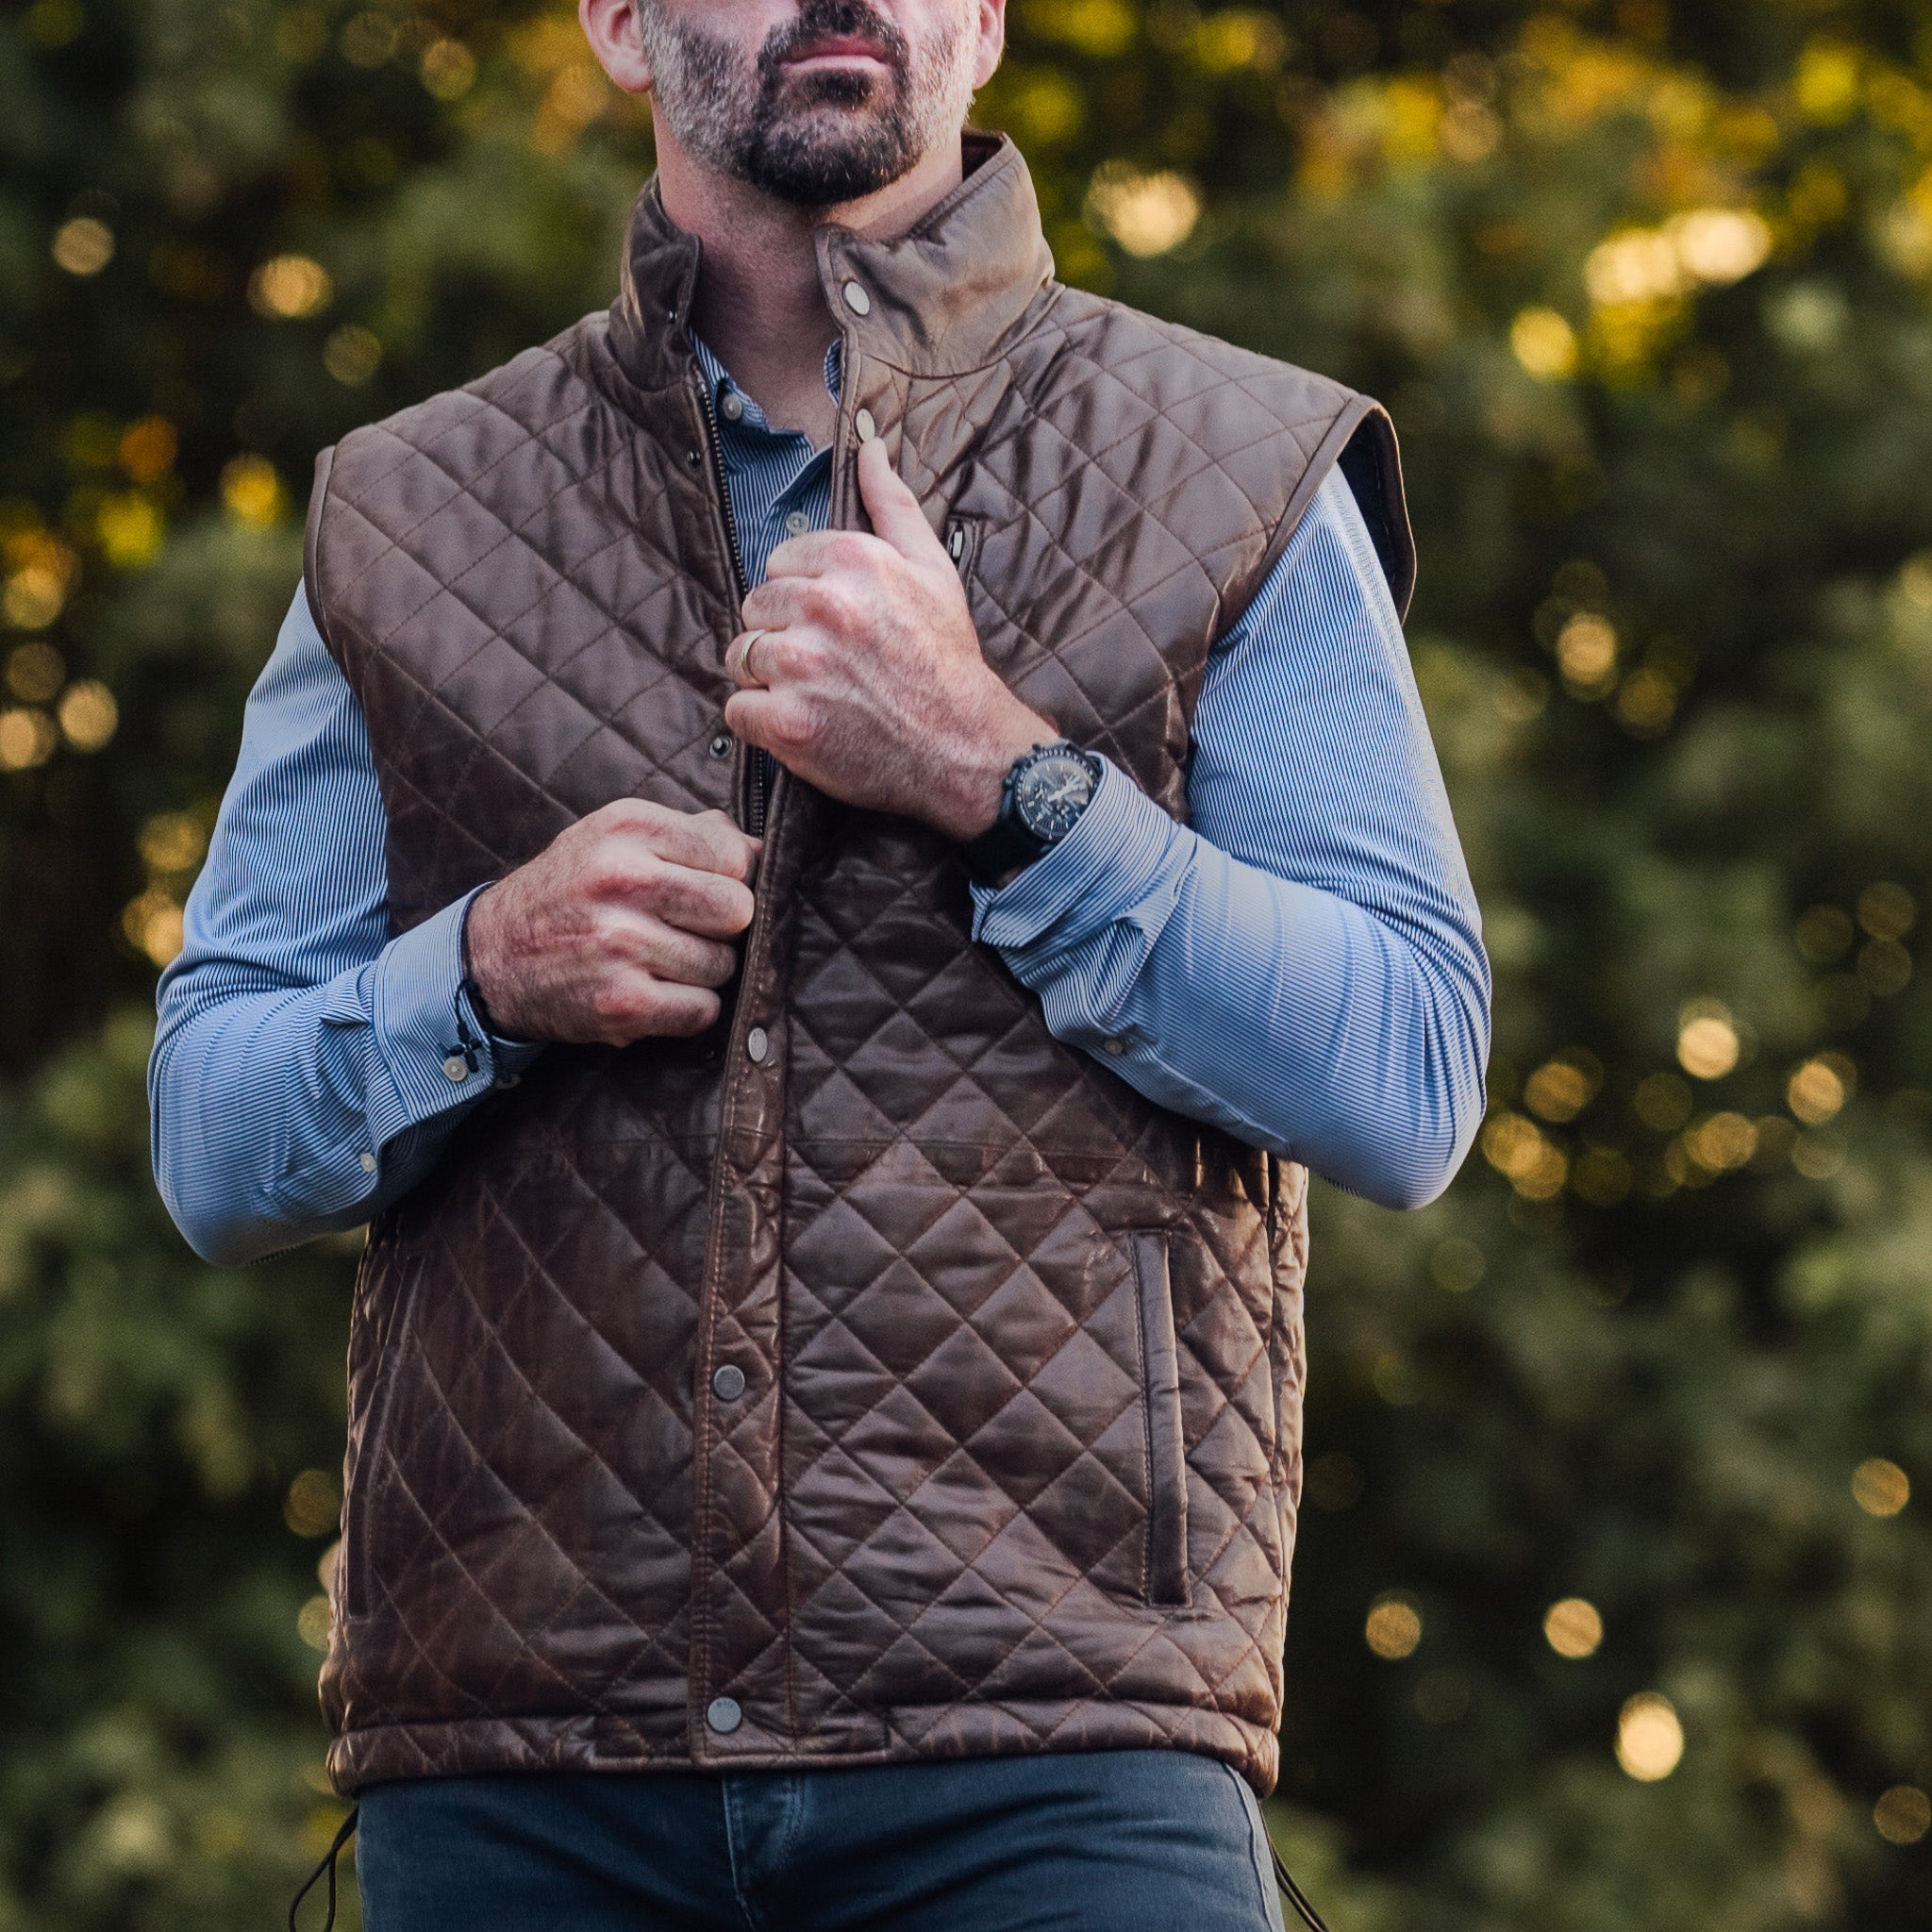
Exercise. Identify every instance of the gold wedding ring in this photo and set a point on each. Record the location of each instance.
(743, 675)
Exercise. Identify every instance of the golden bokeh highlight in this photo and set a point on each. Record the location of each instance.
(1818, 1089)
(1543, 340)
(36, 671)
(290, 288)
(1574, 1628)
(1393, 1628)
(313, 1504)
(1518, 1149)
(1708, 1042)
(1562, 1088)
(148, 449)
(171, 842)
(1880, 1488)
(352, 355)
(448, 69)
(1587, 656)
(83, 246)
(1649, 1739)
(251, 492)
(1903, 1815)
(89, 715)
(27, 737)
(1887, 912)
(1147, 214)
(1722, 1142)
(151, 923)
(311, 1623)
(41, 570)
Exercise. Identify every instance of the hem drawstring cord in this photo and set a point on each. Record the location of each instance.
(328, 1865)
(1295, 1894)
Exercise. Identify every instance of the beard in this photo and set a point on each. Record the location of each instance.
(817, 140)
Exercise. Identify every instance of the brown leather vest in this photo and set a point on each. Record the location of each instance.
(1015, 1458)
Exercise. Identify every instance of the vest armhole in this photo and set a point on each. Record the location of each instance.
(1361, 440)
(311, 547)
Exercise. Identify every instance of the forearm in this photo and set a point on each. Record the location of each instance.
(284, 1112)
(1297, 1020)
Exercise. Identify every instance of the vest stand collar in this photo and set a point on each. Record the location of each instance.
(938, 301)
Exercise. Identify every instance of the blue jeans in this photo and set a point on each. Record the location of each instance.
(1070, 1841)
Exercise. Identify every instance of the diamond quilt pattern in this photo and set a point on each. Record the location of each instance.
(954, 1510)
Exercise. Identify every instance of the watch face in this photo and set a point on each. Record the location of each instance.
(1051, 793)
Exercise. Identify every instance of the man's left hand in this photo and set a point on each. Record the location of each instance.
(859, 669)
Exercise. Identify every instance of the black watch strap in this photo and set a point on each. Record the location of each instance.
(1003, 846)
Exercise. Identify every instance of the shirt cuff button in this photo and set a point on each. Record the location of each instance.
(368, 1160)
(455, 1068)
(1113, 1044)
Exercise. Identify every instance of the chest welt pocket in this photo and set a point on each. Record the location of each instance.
(1166, 1566)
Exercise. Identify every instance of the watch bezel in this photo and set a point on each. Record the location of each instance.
(1023, 788)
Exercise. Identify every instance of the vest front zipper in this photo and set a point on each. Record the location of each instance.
(759, 774)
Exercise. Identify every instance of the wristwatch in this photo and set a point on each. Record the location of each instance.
(1045, 792)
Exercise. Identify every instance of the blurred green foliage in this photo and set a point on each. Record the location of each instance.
(1649, 291)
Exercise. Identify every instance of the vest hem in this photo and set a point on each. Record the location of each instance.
(476, 1747)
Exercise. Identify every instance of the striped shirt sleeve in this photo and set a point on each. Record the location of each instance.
(307, 1067)
(1303, 964)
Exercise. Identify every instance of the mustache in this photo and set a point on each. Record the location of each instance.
(823, 19)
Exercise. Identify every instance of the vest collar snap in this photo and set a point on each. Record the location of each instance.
(938, 301)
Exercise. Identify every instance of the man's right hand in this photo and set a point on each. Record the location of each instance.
(619, 929)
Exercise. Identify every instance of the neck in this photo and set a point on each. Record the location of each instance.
(758, 303)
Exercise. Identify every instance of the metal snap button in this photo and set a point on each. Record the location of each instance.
(720, 747)
(867, 428)
(731, 406)
(857, 299)
(724, 1715)
(727, 1384)
(757, 1043)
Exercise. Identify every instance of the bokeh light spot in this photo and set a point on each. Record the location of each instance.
(1395, 1628)
(1649, 1739)
(1880, 1488)
(1573, 1627)
(290, 287)
(314, 1504)
(1708, 1042)
(83, 246)
(1903, 1815)
(1818, 1089)
(1147, 214)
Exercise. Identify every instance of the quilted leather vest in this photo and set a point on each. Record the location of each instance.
(878, 1378)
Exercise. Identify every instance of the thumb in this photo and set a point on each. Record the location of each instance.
(896, 517)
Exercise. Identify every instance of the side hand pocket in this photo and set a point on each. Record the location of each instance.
(1167, 1470)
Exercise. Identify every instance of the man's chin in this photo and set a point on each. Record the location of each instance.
(828, 156)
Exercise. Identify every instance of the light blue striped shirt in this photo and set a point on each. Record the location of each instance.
(1301, 964)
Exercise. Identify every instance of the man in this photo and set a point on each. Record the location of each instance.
(817, 854)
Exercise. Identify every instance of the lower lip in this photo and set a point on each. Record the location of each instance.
(805, 63)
